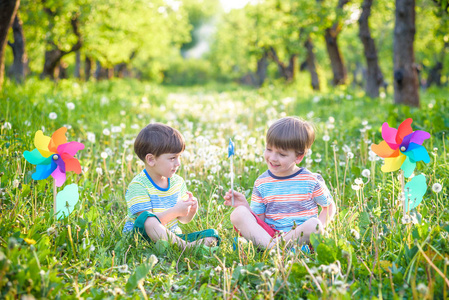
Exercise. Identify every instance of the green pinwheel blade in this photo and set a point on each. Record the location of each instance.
(414, 191)
(408, 166)
(36, 158)
(66, 200)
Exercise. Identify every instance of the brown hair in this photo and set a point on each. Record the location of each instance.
(291, 133)
(157, 139)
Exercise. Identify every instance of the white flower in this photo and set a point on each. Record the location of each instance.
(422, 288)
(91, 137)
(104, 155)
(326, 138)
(27, 123)
(350, 155)
(358, 181)
(331, 119)
(366, 173)
(129, 157)
(436, 187)
(99, 171)
(15, 183)
(7, 125)
(135, 126)
(355, 234)
(251, 141)
(70, 106)
(106, 131)
(53, 115)
(356, 187)
(406, 220)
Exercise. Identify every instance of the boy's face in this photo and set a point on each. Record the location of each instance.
(166, 164)
(281, 162)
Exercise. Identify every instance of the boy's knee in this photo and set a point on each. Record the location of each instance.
(151, 222)
(316, 225)
(238, 214)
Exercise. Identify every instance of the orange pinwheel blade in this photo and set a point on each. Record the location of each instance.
(383, 150)
(57, 139)
(393, 163)
(404, 129)
(41, 142)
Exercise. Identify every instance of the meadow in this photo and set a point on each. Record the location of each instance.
(370, 251)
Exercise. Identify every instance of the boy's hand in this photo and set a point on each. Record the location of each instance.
(194, 200)
(239, 199)
(183, 207)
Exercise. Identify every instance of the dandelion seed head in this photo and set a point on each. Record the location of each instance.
(366, 173)
(437, 187)
(70, 106)
(53, 115)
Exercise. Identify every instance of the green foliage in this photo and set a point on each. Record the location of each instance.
(368, 250)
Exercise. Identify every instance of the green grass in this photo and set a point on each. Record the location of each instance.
(367, 252)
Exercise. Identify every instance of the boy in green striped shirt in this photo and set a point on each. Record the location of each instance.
(157, 198)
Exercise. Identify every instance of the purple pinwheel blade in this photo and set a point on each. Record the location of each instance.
(419, 136)
(408, 166)
(59, 177)
(36, 158)
(70, 148)
(406, 142)
(43, 171)
(61, 164)
(417, 153)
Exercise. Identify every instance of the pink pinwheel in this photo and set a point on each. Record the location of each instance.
(54, 156)
(402, 147)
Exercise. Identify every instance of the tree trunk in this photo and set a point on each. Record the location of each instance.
(405, 72)
(435, 73)
(374, 74)
(18, 68)
(337, 64)
(53, 56)
(77, 72)
(87, 68)
(311, 64)
(286, 71)
(262, 65)
(8, 10)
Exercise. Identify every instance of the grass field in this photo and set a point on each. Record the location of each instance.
(369, 251)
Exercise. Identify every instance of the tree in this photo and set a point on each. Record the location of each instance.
(330, 36)
(19, 66)
(8, 10)
(374, 77)
(405, 71)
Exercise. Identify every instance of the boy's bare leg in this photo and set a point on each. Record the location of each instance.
(302, 232)
(156, 231)
(247, 225)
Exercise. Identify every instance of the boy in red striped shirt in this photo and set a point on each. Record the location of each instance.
(285, 198)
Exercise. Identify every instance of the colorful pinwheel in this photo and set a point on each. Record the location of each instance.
(402, 147)
(54, 156)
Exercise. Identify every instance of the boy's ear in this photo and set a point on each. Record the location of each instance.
(299, 158)
(150, 159)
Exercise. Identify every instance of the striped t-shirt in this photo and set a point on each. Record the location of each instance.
(289, 200)
(144, 195)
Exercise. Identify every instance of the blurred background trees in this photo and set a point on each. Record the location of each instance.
(377, 45)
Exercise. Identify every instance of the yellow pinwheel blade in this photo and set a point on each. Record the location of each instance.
(41, 142)
(393, 163)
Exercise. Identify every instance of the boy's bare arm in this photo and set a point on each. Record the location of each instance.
(327, 214)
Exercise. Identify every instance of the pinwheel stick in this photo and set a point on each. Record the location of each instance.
(54, 197)
(232, 181)
(402, 179)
